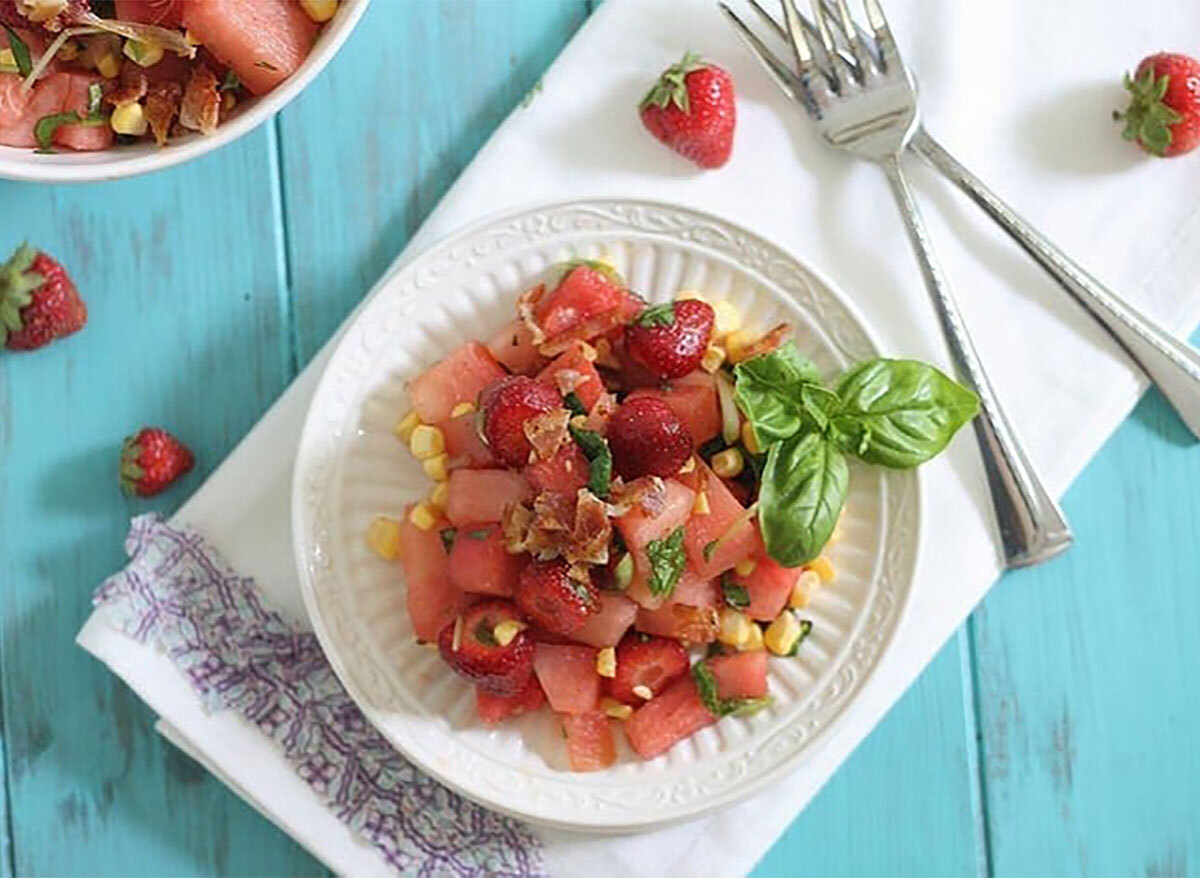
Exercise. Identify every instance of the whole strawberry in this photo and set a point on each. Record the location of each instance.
(151, 461)
(647, 439)
(691, 109)
(1164, 107)
(504, 406)
(670, 340)
(38, 301)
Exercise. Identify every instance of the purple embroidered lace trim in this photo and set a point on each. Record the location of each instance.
(238, 653)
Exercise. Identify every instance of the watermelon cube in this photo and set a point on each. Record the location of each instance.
(568, 676)
(695, 590)
(564, 473)
(497, 708)
(639, 529)
(480, 564)
(690, 623)
(464, 447)
(769, 585)
(740, 675)
(164, 13)
(458, 378)
(513, 348)
(609, 623)
(84, 138)
(724, 510)
(572, 369)
(433, 602)
(586, 302)
(483, 495)
(589, 737)
(265, 42)
(693, 398)
(667, 719)
(20, 110)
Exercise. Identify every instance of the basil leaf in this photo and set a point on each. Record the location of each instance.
(706, 686)
(230, 82)
(574, 404)
(667, 559)
(802, 493)
(20, 52)
(779, 392)
(734, 593)
(95, 95)
(595, 449)
(900, 413)
(806, 627)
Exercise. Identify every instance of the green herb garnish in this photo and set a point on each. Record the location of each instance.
(448, 535)
(735, 593)
(574, 404)
(667, 560)
(45, 127)
(20, 52)
(595, 449)
(230, 81)
(806, 627)
(480, 534)
(706, 686)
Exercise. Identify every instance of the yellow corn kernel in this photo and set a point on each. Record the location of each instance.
(436, 467)
(606, 662)
(750, 439)
(728, 318)
(383, 537)
(143, 54)
(688, 465)
(727, 463)
(754, 640)
(737, 342)
(426, 442)
(823, 567)
(128, 119)
(191, 39)
(615, 709)
(714, 357)
(423, 515)
(405, 426)
(745, 567)
(782, 634)
(319, 10)
(643, 692)
(8, 62)
(507, 630)
(463, 408)
(735, 627)
(108, 65)
(806, 585)
(700, 504)
(440, 496)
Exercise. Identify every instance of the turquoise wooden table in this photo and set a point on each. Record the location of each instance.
(1054, 734)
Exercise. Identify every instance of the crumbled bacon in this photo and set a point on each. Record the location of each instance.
(162, 101)
(767, 343)
(606, 357)
(547, 432)
(592, 530)
(696, 624)
(553, 511)
(649, 492)
(130, 88)
(567, 380)
(602, 410)
(526, 303)
(201, 107)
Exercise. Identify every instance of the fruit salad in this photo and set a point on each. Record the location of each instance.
(83, 74)
(632, 505)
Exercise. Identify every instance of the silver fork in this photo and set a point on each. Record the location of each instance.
(1173, 365)
(868, 107)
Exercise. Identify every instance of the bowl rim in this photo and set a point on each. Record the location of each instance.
(21, 164)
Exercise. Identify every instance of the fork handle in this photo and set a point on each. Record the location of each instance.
(1032, 527)
(1170, 363)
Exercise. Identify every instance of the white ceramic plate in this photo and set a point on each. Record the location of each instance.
(351, 468)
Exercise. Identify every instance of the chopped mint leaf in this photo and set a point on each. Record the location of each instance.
(231, 81)
(806, 627)
(595, 449)
(20, 52)
(734, 593)
(448, 535)
(480, 534)
(574, 404)
(667, 560)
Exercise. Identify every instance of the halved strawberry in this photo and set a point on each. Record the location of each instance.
(645, 661)
(670, 340)
(552, 599)
(647, 439)
(469, 646)
(506, 405)
(497, 708)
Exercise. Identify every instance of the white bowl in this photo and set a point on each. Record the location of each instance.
(350, 468)
(22, 163)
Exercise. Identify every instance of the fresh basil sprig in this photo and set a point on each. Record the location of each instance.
(774, 391)
(595, 449)
(667, 560)
(801, 496)
(20, 52)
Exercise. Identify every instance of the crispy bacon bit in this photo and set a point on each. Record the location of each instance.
(697, 624)
(567, 380)
(773, 339)
(162, 101)
(547, 432)
(649, 492)
(201, 107)
(592, 531)
(526, 303)
(130, 88)
(553, 512)
(597, 419)
(606, 357)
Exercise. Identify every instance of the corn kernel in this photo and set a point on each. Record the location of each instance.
(440, 496)
(745, 567)
(436, 467)
(823, 567)
(643, 692)
(143, 54)
(507, 631)
(782, 634)
(735, 627)
(754, 640)
(806, 585)
(688, 465)
(108, 65)
(456, 637)
(191, 39)
(319, 10)
(615, 709)
(405, 426)
(8, 62)
(714, 357)
(383, 537)
(463, 408)
(736, 343)
(727, 463)
(128, 119)
(750, 439)
(728, 318)
(606, 662)
(426, 442)
(423, 516)
(700, 504)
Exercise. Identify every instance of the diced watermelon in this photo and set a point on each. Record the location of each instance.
(432, 601)
(770, 586)
(608, 625)
(723, 511)
(479, 562)
(693, 398)
(20, 110)
(690, 622)
(564, 473)
(84, 138)
(740, 675)
(583, 296)
(668, 718)
(458, 378)
(576, 370)
(568, 676)
(497, 708)
(164, 13)
(694, 589)
(265, 41)
(639, 528)
(484, 494)
(590, 745)
(464, 447)
(513, 348)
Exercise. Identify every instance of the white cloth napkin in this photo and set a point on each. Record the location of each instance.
(1021, 91)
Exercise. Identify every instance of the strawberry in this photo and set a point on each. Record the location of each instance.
(691, 109)
(647, 439)
(554, 600)
(1164, 107)
(670, 340)
(151, 461)
(505, 405)
(495, 708)
(643, 660)
(469, 646)
(38, 301)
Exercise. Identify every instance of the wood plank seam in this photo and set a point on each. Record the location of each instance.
(972, 712)
(283, 254)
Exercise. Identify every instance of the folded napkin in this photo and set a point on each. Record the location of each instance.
(207, 623)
